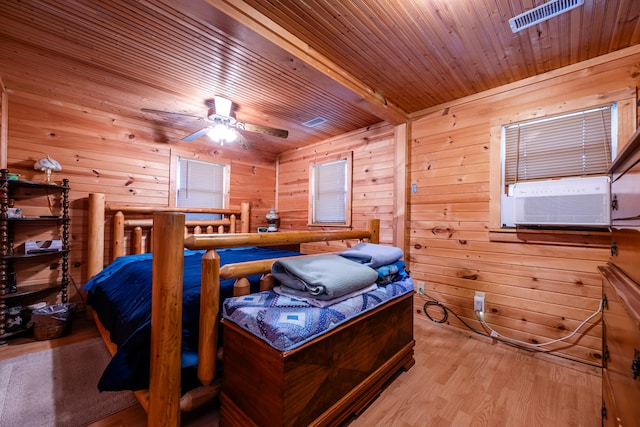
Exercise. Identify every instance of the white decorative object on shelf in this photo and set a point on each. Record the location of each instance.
(14, 213)
(47, 164)
(272, 219)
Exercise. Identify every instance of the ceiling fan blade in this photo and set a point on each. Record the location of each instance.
(196, 134)
(170, 113)
(242, 141)
(280, 133)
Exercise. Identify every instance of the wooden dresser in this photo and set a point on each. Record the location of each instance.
(621, 288)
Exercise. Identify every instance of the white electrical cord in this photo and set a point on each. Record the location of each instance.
(495, 334)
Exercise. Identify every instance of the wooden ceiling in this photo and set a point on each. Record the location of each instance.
(354, 63)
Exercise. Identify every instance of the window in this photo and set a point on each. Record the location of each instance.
(574, 144)
(568, 145)
(201, 185)
(330, 195)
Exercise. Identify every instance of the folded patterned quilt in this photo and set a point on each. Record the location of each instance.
(322, 276)
(372, 254)
(285, 322)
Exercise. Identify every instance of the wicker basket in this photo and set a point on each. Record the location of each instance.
(52, 321)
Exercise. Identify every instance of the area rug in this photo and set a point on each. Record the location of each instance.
(58, 387)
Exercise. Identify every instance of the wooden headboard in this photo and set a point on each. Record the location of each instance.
(133, 234)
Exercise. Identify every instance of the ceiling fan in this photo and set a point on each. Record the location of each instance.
(224, 127)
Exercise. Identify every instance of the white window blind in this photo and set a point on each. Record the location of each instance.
(200, 184)
(575, 144)
(330, 192)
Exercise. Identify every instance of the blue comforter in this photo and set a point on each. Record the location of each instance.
(121, 297)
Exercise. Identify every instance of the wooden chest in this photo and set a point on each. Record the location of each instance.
(322, 382)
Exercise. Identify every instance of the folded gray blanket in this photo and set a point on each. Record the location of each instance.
(317, 302)
(323, 276)
(372, 254)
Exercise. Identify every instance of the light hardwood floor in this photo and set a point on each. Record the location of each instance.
(458, 380)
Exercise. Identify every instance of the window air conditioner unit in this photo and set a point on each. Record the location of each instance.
(564, 202)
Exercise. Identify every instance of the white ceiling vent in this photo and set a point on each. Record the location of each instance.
(542, 13)
(315, 122)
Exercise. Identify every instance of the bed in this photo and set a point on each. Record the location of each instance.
(320, 381)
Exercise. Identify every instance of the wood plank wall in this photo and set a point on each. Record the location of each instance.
(374, 182)
(535, 291)
(103, 153)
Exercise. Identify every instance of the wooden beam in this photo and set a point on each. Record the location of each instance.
(401, 145)
(375, 104)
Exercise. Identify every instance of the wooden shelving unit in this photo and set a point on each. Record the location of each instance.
(15, 231)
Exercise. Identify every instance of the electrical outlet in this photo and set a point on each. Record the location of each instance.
(421, 288)
(478, 302)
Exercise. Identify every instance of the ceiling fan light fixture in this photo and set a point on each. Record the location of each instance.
(222, 133)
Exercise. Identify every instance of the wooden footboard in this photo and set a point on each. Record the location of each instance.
(324, 381)
(133, 235)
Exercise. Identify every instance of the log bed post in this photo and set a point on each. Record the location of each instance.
(166, 320)
(95, 237)
(244, 217)
(118, 236)
(137, 240)
(209, 307)
(267, 282)
(373, 226)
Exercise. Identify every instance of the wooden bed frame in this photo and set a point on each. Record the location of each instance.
(260, 386)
